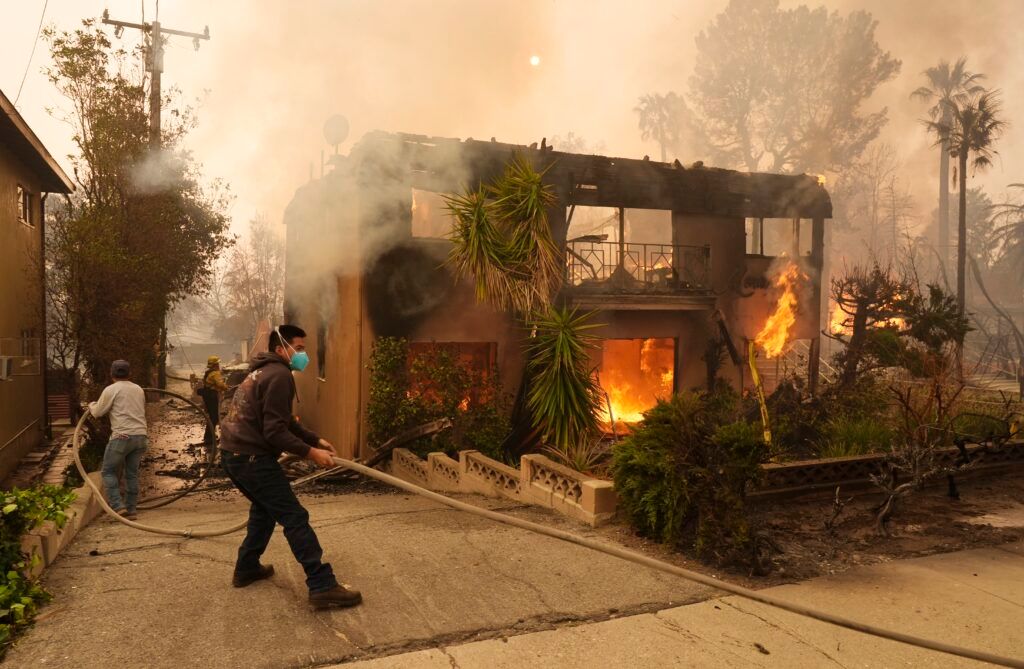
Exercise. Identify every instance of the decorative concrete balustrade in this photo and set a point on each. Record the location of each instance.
(413, 469)
(543, 482)
(538, 480)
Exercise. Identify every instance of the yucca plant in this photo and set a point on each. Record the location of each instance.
(521, 201)
(479, 247)
(501, 239)
(590, 456)
(564, 397)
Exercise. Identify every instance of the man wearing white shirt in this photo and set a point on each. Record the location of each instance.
(126, 404)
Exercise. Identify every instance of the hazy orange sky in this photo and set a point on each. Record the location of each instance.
(274, 71)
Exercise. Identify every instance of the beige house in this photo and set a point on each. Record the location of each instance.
(28, 173)
(671, 258)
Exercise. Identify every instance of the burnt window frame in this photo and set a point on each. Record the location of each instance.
(445, 215)
(677, 362)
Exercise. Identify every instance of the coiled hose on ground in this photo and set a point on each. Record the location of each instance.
(615, 551)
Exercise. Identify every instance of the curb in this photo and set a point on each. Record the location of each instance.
(47, 541)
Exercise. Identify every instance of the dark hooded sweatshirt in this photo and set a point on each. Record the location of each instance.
(260, 420)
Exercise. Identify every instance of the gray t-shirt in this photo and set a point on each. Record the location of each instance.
(126, 403)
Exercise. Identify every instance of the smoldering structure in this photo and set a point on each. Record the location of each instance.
(678, 262)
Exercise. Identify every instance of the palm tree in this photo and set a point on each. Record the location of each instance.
(946, 85)
(659, 120)
(974, 123)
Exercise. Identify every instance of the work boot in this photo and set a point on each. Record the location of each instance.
(338, 596)
(242, 580)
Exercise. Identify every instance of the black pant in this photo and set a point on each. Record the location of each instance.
(261, 479)
(212, 402)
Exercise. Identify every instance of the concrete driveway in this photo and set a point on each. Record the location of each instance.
(431, 576)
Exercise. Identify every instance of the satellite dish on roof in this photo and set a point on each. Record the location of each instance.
(336, 130)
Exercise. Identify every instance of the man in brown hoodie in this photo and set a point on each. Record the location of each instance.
(259, 427)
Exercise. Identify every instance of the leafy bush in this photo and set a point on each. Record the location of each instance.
(23, 511)
(794, 418)
(854, 435)
(408, 389)
(682, 475)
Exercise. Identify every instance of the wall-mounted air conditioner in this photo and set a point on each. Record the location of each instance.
(6, 367)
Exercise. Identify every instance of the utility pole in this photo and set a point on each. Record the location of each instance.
(155, 67)
(155, 62)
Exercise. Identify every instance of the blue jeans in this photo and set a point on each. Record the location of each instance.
(261, 479)
(125, 451)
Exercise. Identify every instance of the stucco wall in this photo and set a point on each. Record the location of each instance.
(745, 304)
(335, 405)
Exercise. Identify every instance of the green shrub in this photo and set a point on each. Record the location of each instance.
(854, 435)
(407, 390)
(682, 475)
(21, 512)
(979, 428)
(388, 410)
(794, 419)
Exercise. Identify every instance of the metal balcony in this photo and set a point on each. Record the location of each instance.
(630, 268)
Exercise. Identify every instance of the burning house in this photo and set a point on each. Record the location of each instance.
(683, 265)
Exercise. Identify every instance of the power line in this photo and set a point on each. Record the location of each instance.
(31, 55)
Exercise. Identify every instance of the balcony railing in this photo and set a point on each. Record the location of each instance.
(634, 268)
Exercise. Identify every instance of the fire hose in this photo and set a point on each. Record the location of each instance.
(615, 551)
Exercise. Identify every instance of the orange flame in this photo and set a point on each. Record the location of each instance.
(774, 336)
(634, 374)
(837, 321)
(837, 324)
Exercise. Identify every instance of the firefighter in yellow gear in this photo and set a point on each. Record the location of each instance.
(210, 391)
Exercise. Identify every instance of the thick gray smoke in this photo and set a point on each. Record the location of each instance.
(923, 32)
(357, 219)
(275, 71)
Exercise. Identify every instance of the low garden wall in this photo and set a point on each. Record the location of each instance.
(538, 480)
(808, 476)
(47, 541)
(541, 481)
